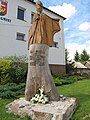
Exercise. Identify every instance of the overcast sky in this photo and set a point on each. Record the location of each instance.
(77, 24)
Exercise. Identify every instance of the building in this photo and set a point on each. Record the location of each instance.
(79, 65)
(16, 17)
(87, 64)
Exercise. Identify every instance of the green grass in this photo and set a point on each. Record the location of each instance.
(4, 115)
(81, 91)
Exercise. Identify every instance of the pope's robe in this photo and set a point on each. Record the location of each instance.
(43, 30)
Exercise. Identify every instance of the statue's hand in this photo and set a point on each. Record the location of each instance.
(37, 18)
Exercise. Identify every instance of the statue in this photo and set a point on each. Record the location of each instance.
(40, 38)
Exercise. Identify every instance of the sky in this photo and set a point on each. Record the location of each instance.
(77, 24)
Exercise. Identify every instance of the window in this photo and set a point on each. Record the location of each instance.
(32, 17)
(55, 44)
(21, 36)
(21, 13)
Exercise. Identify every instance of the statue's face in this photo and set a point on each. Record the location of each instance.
(39, 8)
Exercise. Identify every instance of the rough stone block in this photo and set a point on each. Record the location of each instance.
(54, 110)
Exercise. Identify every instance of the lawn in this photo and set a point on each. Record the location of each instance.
(79, 90)
(5, 115)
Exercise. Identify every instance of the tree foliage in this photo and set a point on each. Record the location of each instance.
(77, 56)
(69, 64)
(66, 55)
(84, 56)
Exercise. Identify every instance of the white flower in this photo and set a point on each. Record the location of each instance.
(40, 100)
(43, 102)
(41, 90)
(40, 97)
(46, 99)
(37, 95)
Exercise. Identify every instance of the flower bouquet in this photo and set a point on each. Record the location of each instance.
(40, 97)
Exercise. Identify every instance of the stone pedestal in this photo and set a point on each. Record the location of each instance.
(54, 110)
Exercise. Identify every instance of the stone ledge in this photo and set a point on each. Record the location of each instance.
(54, 110)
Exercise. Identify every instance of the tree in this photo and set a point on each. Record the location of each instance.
(66, 55)
(84, 56)
(76, 56)
(69, 63)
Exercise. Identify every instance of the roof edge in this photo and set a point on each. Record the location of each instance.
(48, 9)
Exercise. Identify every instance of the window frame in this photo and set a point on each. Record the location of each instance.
(32, 17)
(18, 35)
(18, 14)
(55, 44)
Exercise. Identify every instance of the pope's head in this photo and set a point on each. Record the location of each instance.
(39, 6)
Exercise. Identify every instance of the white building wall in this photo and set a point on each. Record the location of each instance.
(8, 43)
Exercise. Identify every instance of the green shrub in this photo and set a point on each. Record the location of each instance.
(13, 69)
(62, 80)
(4, 70)
(57, 81)
(11, 90)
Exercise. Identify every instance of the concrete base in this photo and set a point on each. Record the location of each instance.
(61, 110)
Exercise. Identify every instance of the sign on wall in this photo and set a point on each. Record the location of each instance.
(3, 7)
(3, 10)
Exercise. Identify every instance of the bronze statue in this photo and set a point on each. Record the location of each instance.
(40, 38)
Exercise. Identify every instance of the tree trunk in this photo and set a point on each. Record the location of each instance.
(39, 73)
